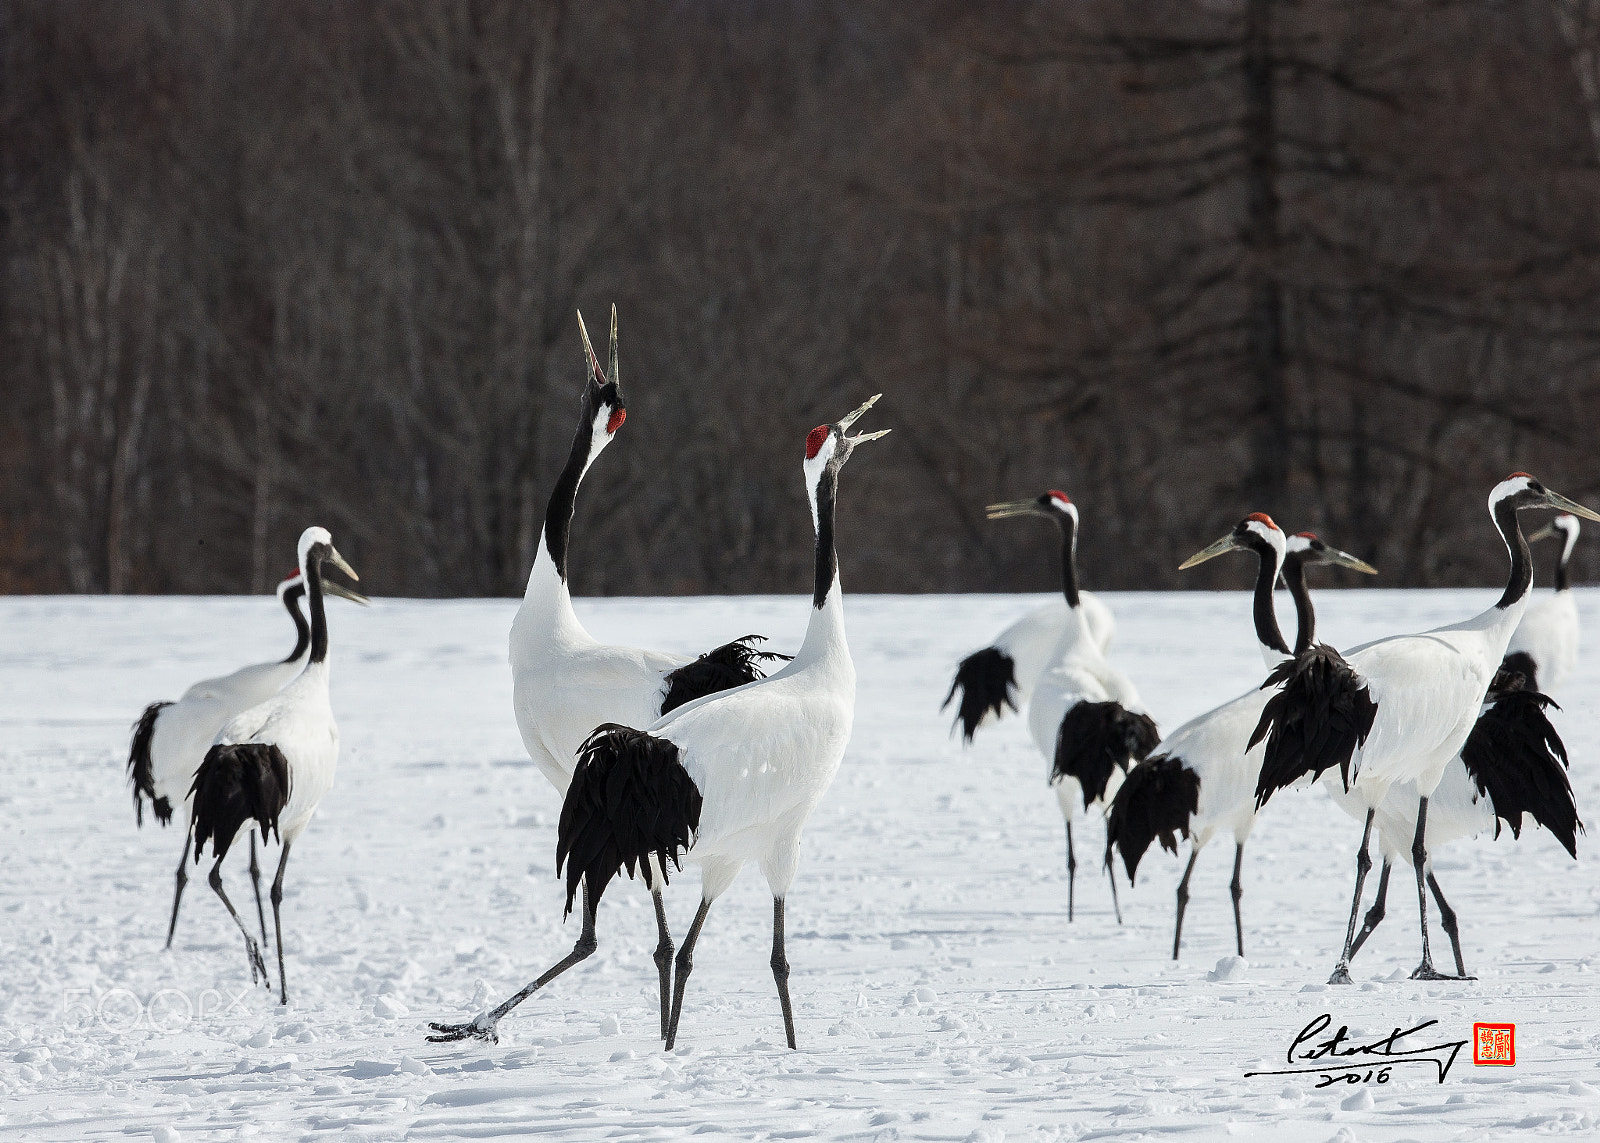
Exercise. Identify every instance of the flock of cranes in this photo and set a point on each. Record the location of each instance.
(660, 759)
(1431, 737)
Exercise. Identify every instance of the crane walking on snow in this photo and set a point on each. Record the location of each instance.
(171, 738)
(272, 765)
(1084, 714)
(1201, 779)
(1397, 710)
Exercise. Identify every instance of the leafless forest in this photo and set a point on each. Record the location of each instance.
(269, 264)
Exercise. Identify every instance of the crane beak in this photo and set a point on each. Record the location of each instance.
(1013, 508)
(1556, 500)
(1226, 544)
(846, 421)
(1548, 532)
(341, 563)
(1346, 560)
(588, 350)
(613, 370)
(860, 437)
(334, 587)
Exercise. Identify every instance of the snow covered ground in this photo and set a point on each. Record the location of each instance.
(940, 992)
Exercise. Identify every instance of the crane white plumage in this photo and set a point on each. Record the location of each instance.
(170, 739)
(729, 778)
(1400, 708)
(1548, 633)
(1004, 673)
(564, 681)
(1200, 781)
(271, 765)
(1084, 714)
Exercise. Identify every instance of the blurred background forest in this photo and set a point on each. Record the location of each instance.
(270, 264)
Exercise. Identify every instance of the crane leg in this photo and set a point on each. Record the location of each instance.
(685, 965)
(1072, 872)
(258, 967)
(277, 919)
(1341, 971)
(1236, 887)
(1376, 913)
(1447, 919)
(482, 1026)
(780, 968)
(177, 894)
(1419, 859)
(255, 880)
(663, 959)
(1183, 900)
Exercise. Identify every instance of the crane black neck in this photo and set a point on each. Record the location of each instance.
(319, 621)
(827, 557)
(1069, 559)
(1294, 578)
(564, 496)
(302, 633)
(1520, 581)
(1266, 616)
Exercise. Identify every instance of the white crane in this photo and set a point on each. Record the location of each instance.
(272, 764)
(730, 777)
(1084, 714)
(1201, 780)
(1004, 673)
(1547, 637)
(1397, 710)
(171, 738)
(566, 682)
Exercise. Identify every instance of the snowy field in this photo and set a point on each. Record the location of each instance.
(940, 992)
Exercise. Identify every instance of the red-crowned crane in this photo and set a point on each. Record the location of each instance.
(272, 765)
(1201, 780)
(729, 778)
(1397, 710)
(566, 682)
(1084, 714)
(171, 738)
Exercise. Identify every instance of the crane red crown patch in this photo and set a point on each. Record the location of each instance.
(293, 574)
(1059, 496)
(1263, 518)
(1494, 1044)
(814, 441)
(1524, 475)
(614, 422)
(1306, 535)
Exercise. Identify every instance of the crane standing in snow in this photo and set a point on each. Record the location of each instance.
(1513, 763)
(730, 778)
(1397, 710)
(1084, 714)
(1200, 781)
(566, 682)
(171, 738)
(272, 764)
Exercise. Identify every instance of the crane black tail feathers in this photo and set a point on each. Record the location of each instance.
(141, 773)
(1095, 738)
(1516, 757)
(723, 668)
(1157, 801)
(1318, 719)
(987, 682)
(630, 798)
(248, 781)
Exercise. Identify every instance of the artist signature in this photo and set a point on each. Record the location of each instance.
(1337, 1060)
